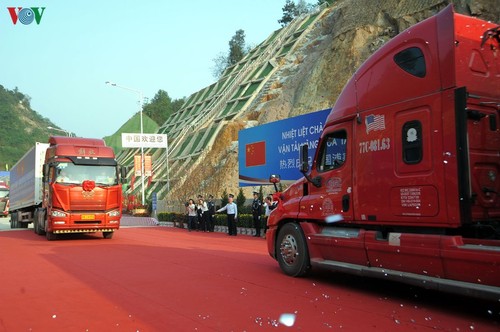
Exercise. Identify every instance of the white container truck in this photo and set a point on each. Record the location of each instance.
(26, 186)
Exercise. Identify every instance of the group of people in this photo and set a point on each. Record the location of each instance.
(201, 216)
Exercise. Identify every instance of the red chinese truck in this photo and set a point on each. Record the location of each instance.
(70, 185)
(413, 194)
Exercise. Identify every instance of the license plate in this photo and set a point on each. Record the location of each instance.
(88, 217)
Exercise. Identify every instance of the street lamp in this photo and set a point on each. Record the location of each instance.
(68, 133)
(139, 92)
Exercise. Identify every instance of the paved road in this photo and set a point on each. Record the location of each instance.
(166, 279)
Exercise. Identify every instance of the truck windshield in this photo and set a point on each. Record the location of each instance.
(75, 174)
(4, 193)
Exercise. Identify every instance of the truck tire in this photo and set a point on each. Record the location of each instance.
(107, 235)
(37, 224)
(13, 220)
(291, 250)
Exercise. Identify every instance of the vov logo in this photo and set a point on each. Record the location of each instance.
(26, 15)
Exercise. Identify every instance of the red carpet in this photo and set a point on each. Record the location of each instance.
(166, 279)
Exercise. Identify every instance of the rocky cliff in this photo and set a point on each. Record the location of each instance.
(311, 77)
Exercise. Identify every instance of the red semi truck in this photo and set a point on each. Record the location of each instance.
(70, 185)
(414, 194)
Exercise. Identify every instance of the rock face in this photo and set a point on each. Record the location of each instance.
(311, 77)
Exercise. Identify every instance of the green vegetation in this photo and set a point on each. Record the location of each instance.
(133, 125)
(20, 127)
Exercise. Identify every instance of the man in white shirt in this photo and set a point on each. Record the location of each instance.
(232, 214)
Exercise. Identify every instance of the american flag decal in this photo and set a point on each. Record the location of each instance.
(374, 122)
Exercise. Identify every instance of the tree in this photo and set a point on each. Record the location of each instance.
(161, 107)
(237, 51)
(224, 198)
(220, 64)
(240, 199)
(236, 48)
(291, 10)
(288, 13)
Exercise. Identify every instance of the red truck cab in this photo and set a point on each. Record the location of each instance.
(81, 188)
(405, 182)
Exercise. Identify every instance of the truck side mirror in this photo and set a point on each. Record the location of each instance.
(275, 179)
(45, 173)
(123, 174)
(304, 158)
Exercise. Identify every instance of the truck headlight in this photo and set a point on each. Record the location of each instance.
(56, 213)
(114, 213)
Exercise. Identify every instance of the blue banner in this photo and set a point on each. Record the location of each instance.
(274, 148)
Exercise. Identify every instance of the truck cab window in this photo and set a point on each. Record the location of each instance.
(412, 61)
(333, 151)
(412, 142)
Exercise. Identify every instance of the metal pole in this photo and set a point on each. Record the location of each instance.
(142, 148)
(141, 98)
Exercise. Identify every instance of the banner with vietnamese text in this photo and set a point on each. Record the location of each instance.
(273, 148)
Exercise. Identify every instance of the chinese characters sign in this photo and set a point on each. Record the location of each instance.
(273, 148)
(144, 140)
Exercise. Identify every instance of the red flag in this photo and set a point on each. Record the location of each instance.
(255, 154)
(132, 182)
(150, 178)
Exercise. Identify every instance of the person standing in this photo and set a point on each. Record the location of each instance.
(256, 213)
(269, 205)
(191, 215)
(232, 214)
(203, 214)
(211, 213)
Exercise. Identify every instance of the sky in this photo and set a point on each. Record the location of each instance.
(63, 62)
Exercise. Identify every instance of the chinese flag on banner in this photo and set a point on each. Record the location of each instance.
(255, 154)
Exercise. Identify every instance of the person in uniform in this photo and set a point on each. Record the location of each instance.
(256, 213)
(211, 213)
(232, 214)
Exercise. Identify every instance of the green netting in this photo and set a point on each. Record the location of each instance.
(182, 150)
(220, 84)
(254, 73)
(238, 92)
(197, 140)
(306, 23)
(226, 109)
(228, 71)
(210, 88)
(266, 71)
(189, 101)
(251, 89)
(285, 49)
(184, 114)
(239, 106)
(198, 96)
(273, 36)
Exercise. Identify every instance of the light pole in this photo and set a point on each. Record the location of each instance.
(139, 92)
(68, 133)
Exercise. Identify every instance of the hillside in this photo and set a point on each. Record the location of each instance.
(133, 125)
(20, 127)
(306, 74)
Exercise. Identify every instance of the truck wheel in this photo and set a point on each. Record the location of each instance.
(107, 235)
(292, 253)
(13, 220)
(37, 221)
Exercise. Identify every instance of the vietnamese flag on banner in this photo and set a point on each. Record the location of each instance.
(255, 154)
